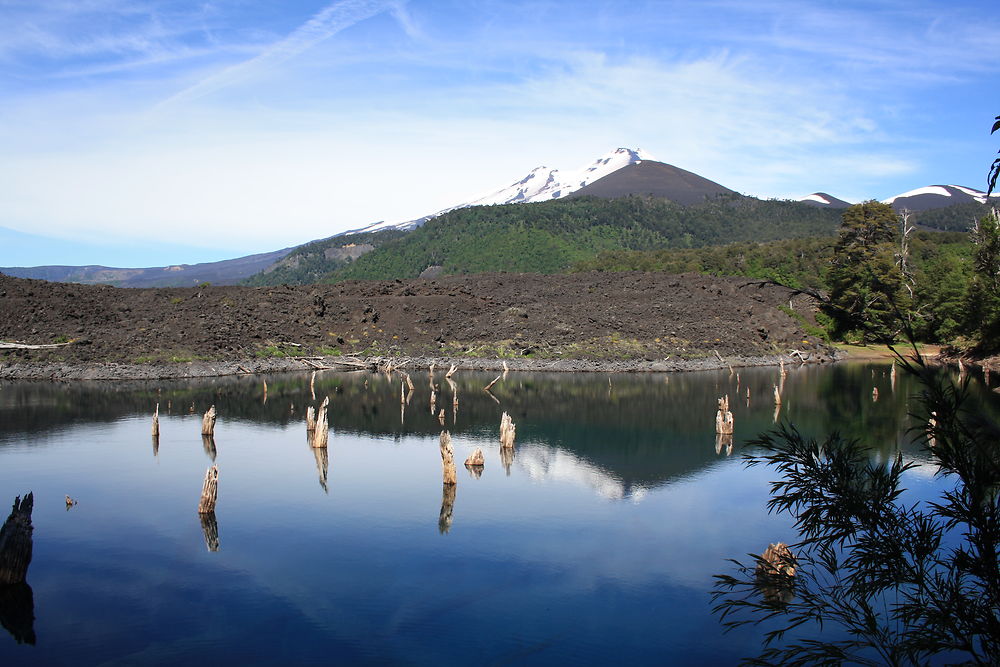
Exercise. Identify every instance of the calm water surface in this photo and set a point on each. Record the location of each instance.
(595, 545)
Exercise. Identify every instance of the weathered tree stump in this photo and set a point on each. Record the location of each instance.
(441, 417)
(447, 507)
(448, 459)
(15, 541)
(310, 419)
(451, 371)
(156, 420)
(775, 573)
(321, 434)
(724, 418)
(210, 529)
(476, 458)
(208, 422)
(495, 380)
(507, 432)
(209, 491)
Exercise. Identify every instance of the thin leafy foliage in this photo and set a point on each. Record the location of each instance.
(897, 583)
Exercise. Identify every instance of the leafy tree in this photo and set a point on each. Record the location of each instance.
(906, 584)
(984, 295)
(866, 283)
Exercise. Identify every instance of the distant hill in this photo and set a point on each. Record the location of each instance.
(226, 272)
(314, 261)
(654, 179)
(939, 196)
(549, 237)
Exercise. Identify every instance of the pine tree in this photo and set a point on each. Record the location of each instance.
(866, 282)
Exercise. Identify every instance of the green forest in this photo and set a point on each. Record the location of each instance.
(878, 283)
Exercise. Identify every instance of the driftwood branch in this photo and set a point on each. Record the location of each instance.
(26, 346)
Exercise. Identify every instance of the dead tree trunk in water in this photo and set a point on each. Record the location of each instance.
(321, 433)
(310, 419)
(156, 421)
(448, 459)
(507, 431)
(209, 491)
(208, 422)
(724, 418)
(15, 542)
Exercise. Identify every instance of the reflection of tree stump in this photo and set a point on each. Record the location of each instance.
(775, 573)
(210, 527)
(17, 612)
(448, 459)
(208, 443)
(15, 542)
(723, 441)
(724, 418)
(156, 445)
(322, 465)
(447, 507)
(506, 458)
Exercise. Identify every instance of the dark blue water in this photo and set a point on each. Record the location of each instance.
(597, 545)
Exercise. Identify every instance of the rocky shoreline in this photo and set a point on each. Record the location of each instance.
(67, 371)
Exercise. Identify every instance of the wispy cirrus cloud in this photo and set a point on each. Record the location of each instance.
(323, 25)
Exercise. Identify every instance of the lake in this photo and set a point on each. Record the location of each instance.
(596, 544)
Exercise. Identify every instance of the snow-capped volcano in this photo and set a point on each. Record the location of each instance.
(541, 184)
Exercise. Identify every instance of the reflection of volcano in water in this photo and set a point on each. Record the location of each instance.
(545, 463)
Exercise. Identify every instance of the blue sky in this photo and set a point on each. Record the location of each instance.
(138, 133)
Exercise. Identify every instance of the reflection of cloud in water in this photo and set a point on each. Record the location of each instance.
(924, 468)
(552, 464)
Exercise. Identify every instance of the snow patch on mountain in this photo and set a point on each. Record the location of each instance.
(816, 198)
(928, 190)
